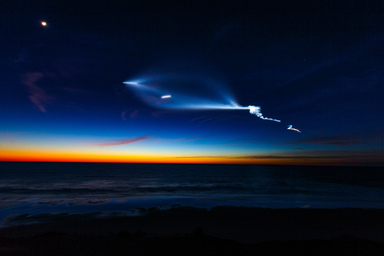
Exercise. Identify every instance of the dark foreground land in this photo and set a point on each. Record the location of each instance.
(63, 244)
(193, 231)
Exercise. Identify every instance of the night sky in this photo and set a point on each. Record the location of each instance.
(317, 66)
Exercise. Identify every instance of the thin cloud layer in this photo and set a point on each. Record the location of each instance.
(123, 141)
(36, 94)
(371, 157)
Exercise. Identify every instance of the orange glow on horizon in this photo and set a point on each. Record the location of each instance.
(13, 153)
(43, 156)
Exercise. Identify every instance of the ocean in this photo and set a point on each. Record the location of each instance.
(34, 188)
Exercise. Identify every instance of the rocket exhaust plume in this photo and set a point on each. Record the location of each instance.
(188, 99)
(255, 110)
(293, 129)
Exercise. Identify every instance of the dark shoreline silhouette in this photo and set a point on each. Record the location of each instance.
(224, 230)
(54, 243)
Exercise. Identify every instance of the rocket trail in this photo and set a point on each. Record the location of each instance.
(185, 100)
(256, 111)
(293, 129)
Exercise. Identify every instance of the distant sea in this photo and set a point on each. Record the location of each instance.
(34, 188)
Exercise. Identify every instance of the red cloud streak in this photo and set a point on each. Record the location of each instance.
(123, 141)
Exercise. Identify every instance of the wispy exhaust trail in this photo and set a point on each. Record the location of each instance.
(293, 129)
(151, 94)
(255, 110)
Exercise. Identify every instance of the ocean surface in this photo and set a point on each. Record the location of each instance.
(33, 188)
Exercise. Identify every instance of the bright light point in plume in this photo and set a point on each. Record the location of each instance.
(293, 129)
(166, 96)
(131, 83)
(255, 110)
(43, 23)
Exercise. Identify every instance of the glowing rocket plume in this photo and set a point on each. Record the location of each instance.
(148, 92)
(293, 129)
(256, 111)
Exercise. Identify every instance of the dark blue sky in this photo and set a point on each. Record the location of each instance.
(317, 66)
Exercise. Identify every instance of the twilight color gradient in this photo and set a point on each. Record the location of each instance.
(189, 72)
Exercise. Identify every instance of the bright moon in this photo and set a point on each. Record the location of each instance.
(44, 23)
